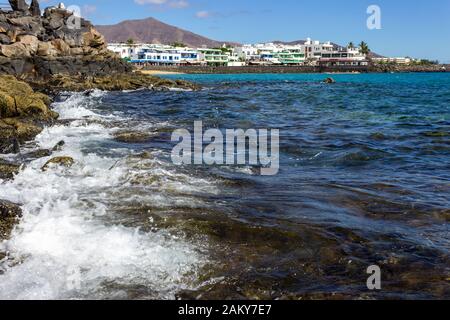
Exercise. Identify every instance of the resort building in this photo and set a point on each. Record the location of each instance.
(213, 57)
(398, 60)
(343, 57)
(158, 57)
(313, 53)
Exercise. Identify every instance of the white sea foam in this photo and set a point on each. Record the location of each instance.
(64, 246)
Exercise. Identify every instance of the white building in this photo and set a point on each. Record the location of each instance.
(397, 60)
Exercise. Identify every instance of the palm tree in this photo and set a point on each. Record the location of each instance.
(130, 41)
(364, 48)
(351, 45)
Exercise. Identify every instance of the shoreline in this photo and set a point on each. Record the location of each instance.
(180, 70)
(158, 72)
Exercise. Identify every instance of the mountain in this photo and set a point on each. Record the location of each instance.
(151, 30)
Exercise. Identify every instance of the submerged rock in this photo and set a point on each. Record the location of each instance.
(9, 214)
(60, 161)
(132, 137)
(8, 170)
(329, 80)
(59, 146)
(41, 153)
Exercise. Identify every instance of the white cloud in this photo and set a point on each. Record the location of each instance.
(203, 14)
(179, 4)
(157, 2)
(176, 4)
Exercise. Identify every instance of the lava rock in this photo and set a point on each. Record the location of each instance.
(9, 146)
(8, 170)
(132, 137)
(59, 146)
(18, 5)
(9, 214)
(35, 9)
(60, 161)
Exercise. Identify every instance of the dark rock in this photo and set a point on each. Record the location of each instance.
(329, 80)
(9, 215)
(18, 5)
(59, 146)
(41, 153)
(4, 39)
(9, 146)
(35, 9)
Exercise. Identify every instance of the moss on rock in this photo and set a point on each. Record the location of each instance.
(60, 161)
(9, 214)
(117, 82)
(17, 99)
(8, 170)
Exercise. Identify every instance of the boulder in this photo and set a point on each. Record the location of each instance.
(61, 47)
(46, 49)
(15, 50)
(329, 80)
(30, 42)
(93, 39)
(59, 161)
(35, 9)
(9, 215)
(17, 99)
(18, 5)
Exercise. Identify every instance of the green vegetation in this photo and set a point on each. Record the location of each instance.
(364, 48)
(225, 50)
(178, 45)
(130, 41)
(425, 62)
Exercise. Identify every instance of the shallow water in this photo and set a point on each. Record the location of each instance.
(364, 179)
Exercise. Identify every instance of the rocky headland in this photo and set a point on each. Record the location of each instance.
(40, 45)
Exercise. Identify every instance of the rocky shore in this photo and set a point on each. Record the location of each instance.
(57, 42)
(296, 69)
(41, 55)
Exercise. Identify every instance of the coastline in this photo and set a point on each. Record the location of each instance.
(158, 72)
(161, 70)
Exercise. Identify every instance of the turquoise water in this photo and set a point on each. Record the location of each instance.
(364, 180)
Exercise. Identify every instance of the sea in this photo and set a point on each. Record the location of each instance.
(363, 181)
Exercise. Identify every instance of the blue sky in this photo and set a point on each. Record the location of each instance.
(409, 27)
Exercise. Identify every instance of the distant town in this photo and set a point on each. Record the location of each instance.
(308, 53)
